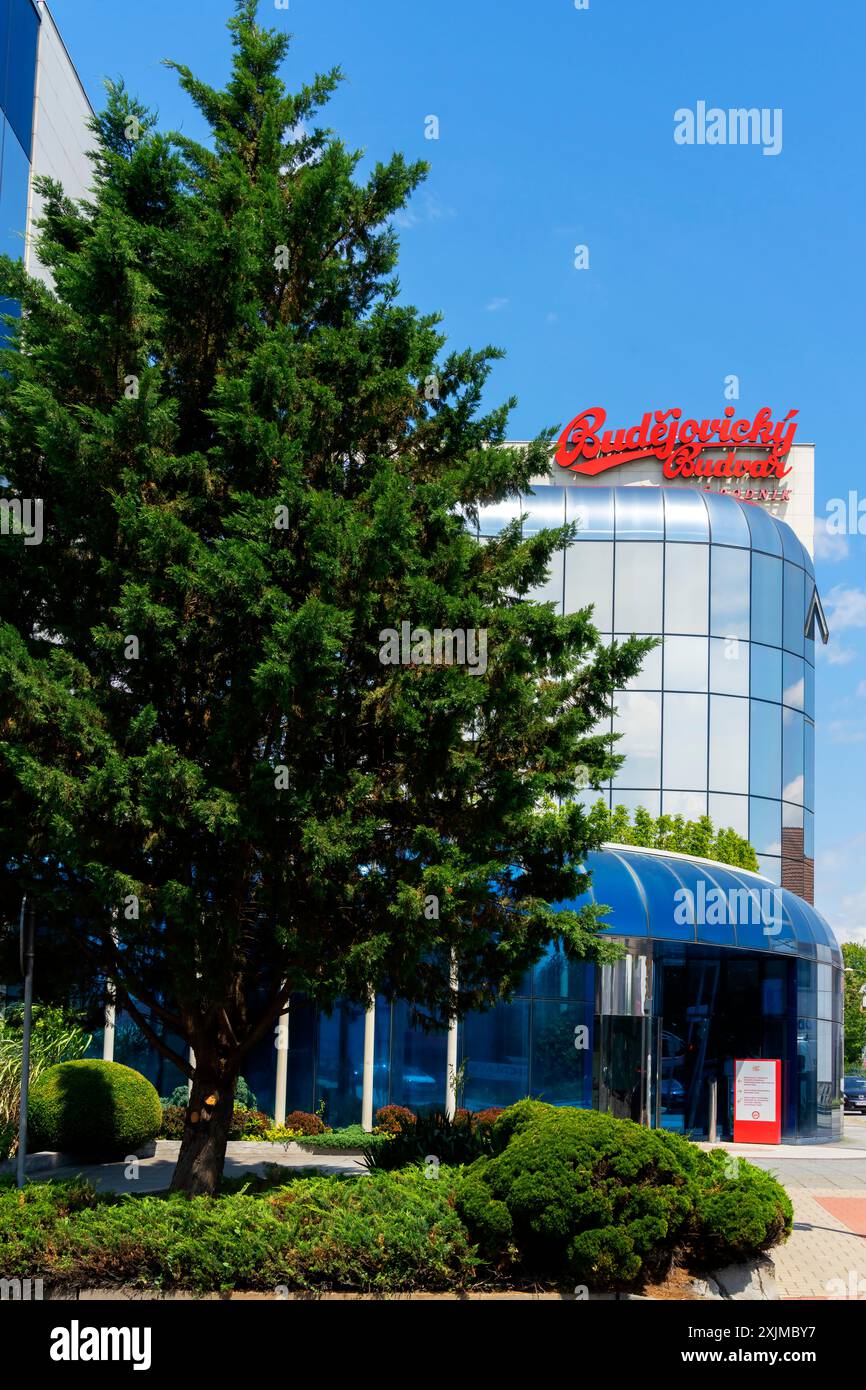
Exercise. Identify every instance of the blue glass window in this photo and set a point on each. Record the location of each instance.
(616, 888)
(794, 684)
(638, 720)
(418, 1063)
(14, 178)
(638, 599)
(543, 510)
(20, 83)
(685, 663)
(729, 744)
(560, 1071)
(809, 765)
(685, 743)
(589, 580)
(661, 888)
(765, 825)
(766, 600)
(729, 666)
(766, 663)
(702, 902)
(495, 517)
(729, 590)
(765, 749)
(557, 977)
(795, 608)
(765, 532)
(495, 1047)
(793, 777)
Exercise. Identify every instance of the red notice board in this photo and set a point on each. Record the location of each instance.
(758, 1101)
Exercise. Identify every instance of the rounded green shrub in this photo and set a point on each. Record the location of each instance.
(577, 1192)
(739, 1211)
(95, 1110)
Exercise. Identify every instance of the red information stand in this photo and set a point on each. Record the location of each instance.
(758, 1101)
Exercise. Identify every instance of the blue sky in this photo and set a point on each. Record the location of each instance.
(556, 128)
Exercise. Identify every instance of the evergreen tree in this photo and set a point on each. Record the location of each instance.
(253, 462)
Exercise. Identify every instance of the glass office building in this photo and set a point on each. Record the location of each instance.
(720, 721)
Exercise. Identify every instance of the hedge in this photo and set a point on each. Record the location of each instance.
(94, 1110)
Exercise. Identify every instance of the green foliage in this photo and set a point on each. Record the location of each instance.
(56, 1036)
(301, 1122)
(173, 1121)
(383, 1231)
(451, 1142)
(223, 406)
(698, 838)
(351, 1137)
(393, 1119)
(854, 957)
(244, 1097)
(739, 1210)
(610, 1203)
(95, 1110)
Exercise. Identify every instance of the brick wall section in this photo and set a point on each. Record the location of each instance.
(798, 872)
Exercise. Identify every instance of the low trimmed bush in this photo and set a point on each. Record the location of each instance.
(451, 1142)
(393, 1119)
(609, 1203)
(301, 1122)
(94, 1110)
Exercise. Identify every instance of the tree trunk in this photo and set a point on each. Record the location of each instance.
(205, 1134)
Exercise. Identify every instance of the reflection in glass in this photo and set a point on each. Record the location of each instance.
(729, 744)
(765, 825)
(766, 600)
(727, 520)
(729, 606)
(686, 588)
(638, 719)
(21, 71)
(14, 181)
(690, 805)
(638, 600)
(793, 771)
(685, 515)
(729, 666)
(765, 532)
(639, 513)
(649, 677)
(551, 590)
(794, 681)
(561, 1071)
(543, 510)
(685, 745)
(765, 749)
(730, 813)
(766, 663)
(685, 663)
(809, 765)
(795, 610)
(589, 580)
(592, 509)
(493, 518)
(495, 1048)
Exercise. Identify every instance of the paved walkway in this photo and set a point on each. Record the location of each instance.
(825, 1256)
(154, 1174)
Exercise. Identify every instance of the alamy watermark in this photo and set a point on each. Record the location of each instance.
(711, 906)
(22, 516)
(447, 646)
(739, 125)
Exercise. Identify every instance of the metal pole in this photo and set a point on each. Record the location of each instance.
(451, 1051)
(282, 1081)
(713, 1126)
(369, 1065)
(27, 941)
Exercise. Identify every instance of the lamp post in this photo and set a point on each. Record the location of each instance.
(26, 933)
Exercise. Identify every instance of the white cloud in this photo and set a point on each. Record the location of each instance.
(836, 655)
(829, 545)
(846, 731)
(846, 607)
(496, 304)
(424, 209)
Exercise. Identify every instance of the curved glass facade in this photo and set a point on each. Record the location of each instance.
(720, 721)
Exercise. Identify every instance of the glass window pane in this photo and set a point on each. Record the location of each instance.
(685, 515)
(14, 178)
(809, 765)
(495, 1049)
(589, 580)
(765, 826)
(557, 977)
(766, 672)
(648, 800)
(685, 745)
(418, 1063)
(728, 525)
(766, 600)
(638, 719)
(543, 510)
(497, 515)
(729, 744)
(685, 663)
(729, 605)
(661, 888)
(561, 1073)
(795, 609)
(809, 691)
(808, 835)
(794, 693)
(765, 533)
(730, 813)
(729, 666)
(701, 901)
(592, 509)
(793, 783)
(690, 805)
(614, 887)
(765, 749)
(638, 600)
(686, 588)
(639, 513)
(21, 72)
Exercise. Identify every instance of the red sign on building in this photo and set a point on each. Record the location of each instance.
(758, 1101)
